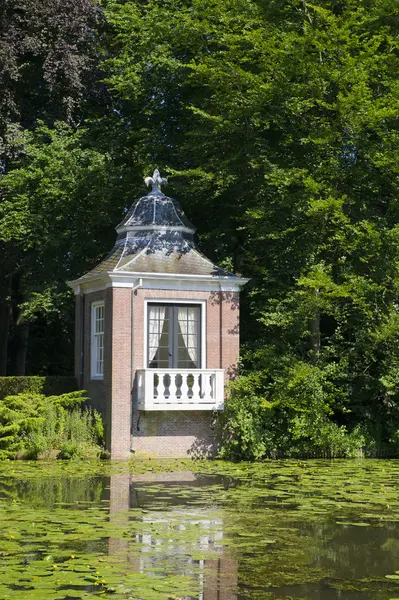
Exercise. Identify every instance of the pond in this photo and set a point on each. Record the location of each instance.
(205, 531)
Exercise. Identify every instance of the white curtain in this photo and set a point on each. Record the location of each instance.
(187, 318)
(156, 322)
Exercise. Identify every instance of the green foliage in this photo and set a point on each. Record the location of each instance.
(287, 153)
(293, 418)
(48, 51)
(34, 425)
(50, 235)
(49, 386)
(277, 123)
(49, 72)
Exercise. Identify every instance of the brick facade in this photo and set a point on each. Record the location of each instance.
(184, 433)
(173, 434)
(111, 396)
(159, 433)
(222, 325)
(120, 378)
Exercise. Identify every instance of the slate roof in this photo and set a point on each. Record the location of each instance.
(156, 209)
(156, 237)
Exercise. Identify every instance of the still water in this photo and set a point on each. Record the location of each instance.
(312, 530)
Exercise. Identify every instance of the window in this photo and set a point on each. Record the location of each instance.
(174, 336)
(97, 340)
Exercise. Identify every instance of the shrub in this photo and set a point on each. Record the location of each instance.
(49, 386)
(290, 416)
(242, 427)
(33, 425)
(70, 449)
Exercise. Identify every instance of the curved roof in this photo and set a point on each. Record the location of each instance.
(156, 237)
(155, 210)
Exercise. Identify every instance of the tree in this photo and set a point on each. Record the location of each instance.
(278, 124)
(54, 216)
(49, 51)
(280, 119)
(49, 71)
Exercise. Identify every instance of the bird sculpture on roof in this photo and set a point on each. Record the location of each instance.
(156, 181)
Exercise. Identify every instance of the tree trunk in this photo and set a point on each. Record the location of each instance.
(20, 329)
(21, 336)
(5, 314)
(315, 336)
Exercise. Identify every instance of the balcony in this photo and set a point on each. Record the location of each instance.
(180, 389)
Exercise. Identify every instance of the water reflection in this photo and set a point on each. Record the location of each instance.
(161, 542)
(287, 532)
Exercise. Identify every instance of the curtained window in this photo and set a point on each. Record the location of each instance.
(174, 336)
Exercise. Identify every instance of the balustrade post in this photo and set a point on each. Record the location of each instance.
(184, 387)
(207, 386)
(161, 387)
(148, 388)
(219, 387)
(196, 386)
(140, 388)
(172, 388)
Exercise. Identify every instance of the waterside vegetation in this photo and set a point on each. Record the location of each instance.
(277, 124)
(34, 426)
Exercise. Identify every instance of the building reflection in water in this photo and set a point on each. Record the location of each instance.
(216, 577)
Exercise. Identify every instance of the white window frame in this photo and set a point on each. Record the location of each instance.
(93, 340)
(177, 301)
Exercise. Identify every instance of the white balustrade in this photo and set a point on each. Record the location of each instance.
(180, 389)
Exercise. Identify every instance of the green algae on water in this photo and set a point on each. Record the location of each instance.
(177, 529)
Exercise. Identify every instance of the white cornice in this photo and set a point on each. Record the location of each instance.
(165, 281)
(115, 275)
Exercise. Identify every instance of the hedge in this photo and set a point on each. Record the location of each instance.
(52, 385)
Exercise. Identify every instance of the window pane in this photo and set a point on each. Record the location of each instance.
(97, 339)
(163, 354)
(173, 336)
(192, 314)
(188, 318)
(158, 328)
(154, 312)
(99, 354)
(187, 341)
(99, 319)
(186, 357)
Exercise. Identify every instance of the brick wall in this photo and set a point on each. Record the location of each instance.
(119, 373)
(108, 320)
(230, 328)
(168, 433)
(223, 333)
(112, 395)
(185, 433)
(173, 434)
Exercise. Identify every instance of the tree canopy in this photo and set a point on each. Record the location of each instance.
(277, 124)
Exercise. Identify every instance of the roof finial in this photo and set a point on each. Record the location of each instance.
(156, 181)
